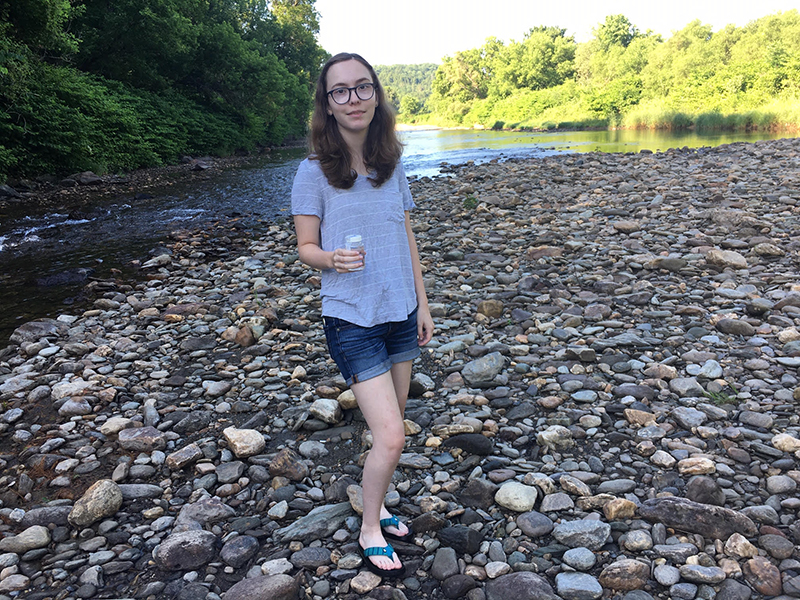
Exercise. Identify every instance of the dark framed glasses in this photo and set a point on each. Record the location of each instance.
(341, 95)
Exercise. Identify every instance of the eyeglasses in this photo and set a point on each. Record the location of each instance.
(341, 95)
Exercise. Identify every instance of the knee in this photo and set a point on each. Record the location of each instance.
(392, 440)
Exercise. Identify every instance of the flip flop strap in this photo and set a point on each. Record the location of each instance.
(390, 522)
(378, 551)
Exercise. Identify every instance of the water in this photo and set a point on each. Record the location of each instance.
(425, 150)
(46, 256)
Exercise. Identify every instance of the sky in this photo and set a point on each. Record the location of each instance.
(389, 32)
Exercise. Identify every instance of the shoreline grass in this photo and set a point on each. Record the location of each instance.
(780, 115)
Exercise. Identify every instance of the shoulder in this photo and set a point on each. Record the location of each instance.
(309, 165)
(309, 170)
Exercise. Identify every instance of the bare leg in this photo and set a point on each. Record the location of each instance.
(379, 404)
(401, 379)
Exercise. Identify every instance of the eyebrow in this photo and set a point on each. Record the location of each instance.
(362, 80)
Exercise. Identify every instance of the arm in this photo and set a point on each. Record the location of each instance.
(424, 320)
(308, 247)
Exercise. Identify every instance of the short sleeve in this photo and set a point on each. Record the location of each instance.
(306, 191)
(408, 201)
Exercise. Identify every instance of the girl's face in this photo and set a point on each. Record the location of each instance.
(355, 114)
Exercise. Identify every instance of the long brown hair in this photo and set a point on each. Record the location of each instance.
(382, 149)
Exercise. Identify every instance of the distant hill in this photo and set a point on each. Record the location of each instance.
(407, 80)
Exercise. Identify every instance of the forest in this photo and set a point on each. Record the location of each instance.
(407, 87)
(111, 86)
(736, 78)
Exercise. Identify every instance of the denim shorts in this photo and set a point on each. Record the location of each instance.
(362, 353)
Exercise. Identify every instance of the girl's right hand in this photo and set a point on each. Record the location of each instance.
(345, 261)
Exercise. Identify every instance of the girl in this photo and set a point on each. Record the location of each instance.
(374, 306)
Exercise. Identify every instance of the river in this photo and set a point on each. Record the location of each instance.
(45, 255)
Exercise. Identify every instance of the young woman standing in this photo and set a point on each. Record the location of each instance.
(374, 305)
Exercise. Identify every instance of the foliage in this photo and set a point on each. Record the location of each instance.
(400, 81)
(105, 86)
(410, 105)
(735, 78)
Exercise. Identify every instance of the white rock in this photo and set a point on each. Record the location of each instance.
(244, 442)
(516, 496)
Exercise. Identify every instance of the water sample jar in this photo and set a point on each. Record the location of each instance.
(355, 242)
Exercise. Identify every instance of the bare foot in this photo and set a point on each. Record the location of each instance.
(382, 562)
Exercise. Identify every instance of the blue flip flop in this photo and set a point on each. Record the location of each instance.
(378, 551)
(395, 522)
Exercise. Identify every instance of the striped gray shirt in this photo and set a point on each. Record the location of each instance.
(384, 291)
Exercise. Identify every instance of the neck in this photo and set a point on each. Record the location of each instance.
(355, 144)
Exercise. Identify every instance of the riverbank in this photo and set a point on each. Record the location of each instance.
(80, 188)
(610, 401)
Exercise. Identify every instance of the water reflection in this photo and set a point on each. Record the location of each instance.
(426, 149)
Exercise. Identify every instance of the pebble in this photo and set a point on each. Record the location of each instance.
(609, 405)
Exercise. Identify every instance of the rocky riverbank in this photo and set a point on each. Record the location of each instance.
(609, 407)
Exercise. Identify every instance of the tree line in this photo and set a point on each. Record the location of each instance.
(110, 86)
(737, 77)
(407, 86)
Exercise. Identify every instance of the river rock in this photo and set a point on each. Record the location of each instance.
(102, 499)
(142, 439)
(186, 550)
(714, 522)
(244, 442)
(523, 585)
(482, 371)
(763, 576)
(625, 575)
(319, 523)
(32, 538)
(273, 587)
(585, 533)
(516, 496)
(578, 586)
(625, 377)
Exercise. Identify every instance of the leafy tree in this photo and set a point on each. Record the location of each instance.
(543, 59)
(144, 43)
(130, 83)
(463, 78)
(296, 38)
(41, 25)
(399, 81)
(616, 30)
(410, 105)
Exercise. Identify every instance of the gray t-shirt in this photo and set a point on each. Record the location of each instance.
(384, 291)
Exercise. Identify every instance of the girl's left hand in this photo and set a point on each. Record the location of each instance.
(424, 326)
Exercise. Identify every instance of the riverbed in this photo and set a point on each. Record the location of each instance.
(48, 255)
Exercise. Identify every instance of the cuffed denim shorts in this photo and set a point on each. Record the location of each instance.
(362, 353)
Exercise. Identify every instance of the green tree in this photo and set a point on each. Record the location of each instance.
(403, 80)
(545, 58)
(41, 25)
(463, 78)
(147, 44)
(410, 105)
(616, 30)
(296, 39)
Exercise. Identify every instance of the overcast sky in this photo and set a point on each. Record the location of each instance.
(418, 31)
